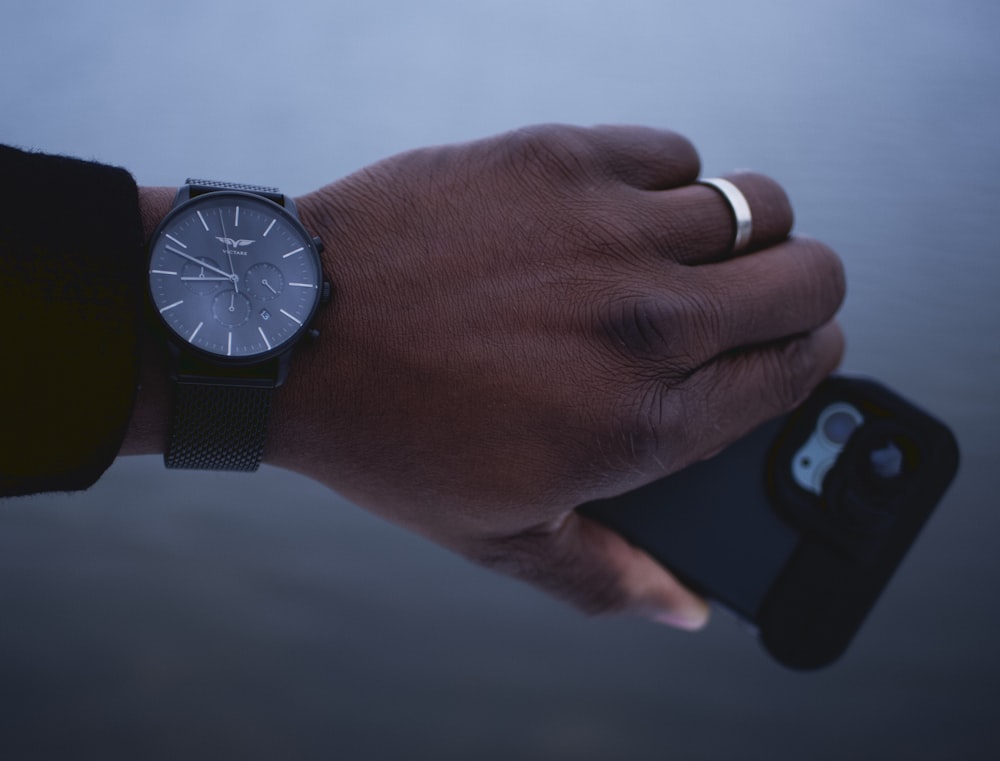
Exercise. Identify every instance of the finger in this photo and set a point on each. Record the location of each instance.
(741, 390)
(695, 224)
(593, 568)
(646, 158)
(785, 290)
(691, 316)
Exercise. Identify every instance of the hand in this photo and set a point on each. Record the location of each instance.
(533, 321)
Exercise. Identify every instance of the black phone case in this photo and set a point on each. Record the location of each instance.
(802, 569)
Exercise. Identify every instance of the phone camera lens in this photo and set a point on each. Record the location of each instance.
(874, 479)
(838, 427)
(886, 462)
(885, 466)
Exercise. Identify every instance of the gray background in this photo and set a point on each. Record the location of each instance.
(215, 617)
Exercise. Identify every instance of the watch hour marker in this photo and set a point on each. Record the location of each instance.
(291, 317)
(193, 334)
(175, 240)
(285, 256)
(171, 306)
(229, 345)
(261, 331)
(269, 227)
(203, 222)
(161, 272)
(237, 222)
(303, 285)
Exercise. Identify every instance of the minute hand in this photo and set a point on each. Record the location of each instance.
(206, 265)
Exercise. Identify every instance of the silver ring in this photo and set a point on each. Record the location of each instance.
(740, 208)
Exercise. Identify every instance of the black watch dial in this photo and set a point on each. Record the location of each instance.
(234, 275)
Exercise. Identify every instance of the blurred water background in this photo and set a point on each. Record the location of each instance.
(214, 616)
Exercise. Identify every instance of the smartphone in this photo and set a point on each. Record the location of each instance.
(798, 527)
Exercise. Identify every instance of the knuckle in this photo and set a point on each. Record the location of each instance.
(641, 325)
(598, 596)
(644, 426)
(517, 556)
(792, 374)
(602, 239)
(550, 148)
(639, 438)
(677, 328)
(828, 271)
(553, 559)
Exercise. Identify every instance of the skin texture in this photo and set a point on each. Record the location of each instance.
(532, 321)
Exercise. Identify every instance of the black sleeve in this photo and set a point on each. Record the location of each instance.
(70, 281)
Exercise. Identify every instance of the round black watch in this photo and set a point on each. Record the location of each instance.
(235, 281)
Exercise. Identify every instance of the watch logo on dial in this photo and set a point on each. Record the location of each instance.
(240, 243)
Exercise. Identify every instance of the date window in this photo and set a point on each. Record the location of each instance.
(265, 315)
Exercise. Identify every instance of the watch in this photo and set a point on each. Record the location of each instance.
(235, 282)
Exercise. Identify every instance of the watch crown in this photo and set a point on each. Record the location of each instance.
(318, 243)
(324, 294)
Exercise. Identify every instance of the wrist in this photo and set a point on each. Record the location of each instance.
(291, 440)
(147, 430)
(149, 426)
(154, 203)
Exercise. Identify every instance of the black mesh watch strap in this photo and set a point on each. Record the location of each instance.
(198, 187)
(218, 427)
(219, 419)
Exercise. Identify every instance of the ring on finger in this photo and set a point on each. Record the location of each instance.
(738, 206)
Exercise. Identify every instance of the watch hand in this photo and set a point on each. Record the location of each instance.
(263, 282)
(229, 254)
(227, 278)
(200, 263)
(232, 300)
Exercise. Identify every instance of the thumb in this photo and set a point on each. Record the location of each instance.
(596, 570)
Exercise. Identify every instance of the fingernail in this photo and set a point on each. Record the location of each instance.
(689, 619)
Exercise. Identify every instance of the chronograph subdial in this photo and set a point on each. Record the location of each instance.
(202, 279)
(230, 308)
(264, 281)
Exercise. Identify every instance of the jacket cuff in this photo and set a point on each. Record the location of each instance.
(71, 251)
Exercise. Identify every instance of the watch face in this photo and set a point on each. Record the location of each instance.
(234, 275)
